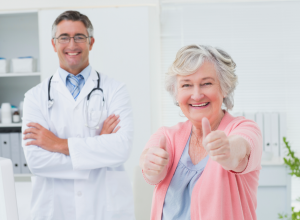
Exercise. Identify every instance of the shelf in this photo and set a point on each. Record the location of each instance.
(12, 125)
(273, 162)
(19, 74)
(23, 177)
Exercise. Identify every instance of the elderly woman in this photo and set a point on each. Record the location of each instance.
(207, 167)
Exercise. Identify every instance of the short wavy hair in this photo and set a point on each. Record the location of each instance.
(73, 16)
(190, 58)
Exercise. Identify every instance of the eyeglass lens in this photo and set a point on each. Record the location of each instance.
(77, 39)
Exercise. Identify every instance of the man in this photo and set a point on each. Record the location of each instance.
(74, 151)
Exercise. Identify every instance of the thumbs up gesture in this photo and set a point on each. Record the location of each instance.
(217, 144)
(154, 161)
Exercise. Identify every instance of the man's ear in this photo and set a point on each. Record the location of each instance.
(53, 44)
(92, 41)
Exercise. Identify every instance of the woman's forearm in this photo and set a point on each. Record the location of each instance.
(240, 152)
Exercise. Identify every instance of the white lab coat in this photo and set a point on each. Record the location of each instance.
(91, 183)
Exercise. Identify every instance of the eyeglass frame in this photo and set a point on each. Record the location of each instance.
(56, 38)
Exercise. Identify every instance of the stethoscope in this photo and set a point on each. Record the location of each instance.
(51, 102)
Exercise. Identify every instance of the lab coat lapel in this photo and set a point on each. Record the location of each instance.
(88, 86)
(60, 86)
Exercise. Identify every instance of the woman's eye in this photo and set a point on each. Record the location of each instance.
(185, 85)
(206, 84)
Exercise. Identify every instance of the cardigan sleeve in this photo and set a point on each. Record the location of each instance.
(250, 131)
(154, 141)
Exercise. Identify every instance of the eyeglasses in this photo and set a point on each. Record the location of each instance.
(64, 39)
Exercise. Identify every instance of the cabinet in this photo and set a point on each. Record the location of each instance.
(274, 190)
(19, 37)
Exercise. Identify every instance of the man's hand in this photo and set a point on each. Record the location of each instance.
(217, 144)
(45, 139)
(110, 124)
(154, 161)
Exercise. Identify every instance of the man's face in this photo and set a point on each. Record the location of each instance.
(73, 57)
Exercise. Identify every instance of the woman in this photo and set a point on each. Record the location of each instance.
(207, 167)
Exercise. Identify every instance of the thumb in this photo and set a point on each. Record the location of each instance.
(163, 142)
(205, 127)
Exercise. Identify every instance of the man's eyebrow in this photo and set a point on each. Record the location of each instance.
(65, 34)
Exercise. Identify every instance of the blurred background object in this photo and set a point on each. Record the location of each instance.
(136, 43)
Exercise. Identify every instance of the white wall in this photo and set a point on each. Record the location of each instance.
(122, 50)
(59, 4)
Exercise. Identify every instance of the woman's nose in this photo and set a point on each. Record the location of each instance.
(197, 95)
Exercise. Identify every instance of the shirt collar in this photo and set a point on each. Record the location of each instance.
(64, 74)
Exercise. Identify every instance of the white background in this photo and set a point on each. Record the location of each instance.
(263, 39)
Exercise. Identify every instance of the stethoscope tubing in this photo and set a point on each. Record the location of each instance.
(51, 101)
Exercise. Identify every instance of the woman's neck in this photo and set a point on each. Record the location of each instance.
(197, 129)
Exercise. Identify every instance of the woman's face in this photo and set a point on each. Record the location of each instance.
(199, 94)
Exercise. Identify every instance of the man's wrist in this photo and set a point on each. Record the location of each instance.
(62, 147)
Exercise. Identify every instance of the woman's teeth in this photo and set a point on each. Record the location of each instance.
(72, 54)
(200, 105)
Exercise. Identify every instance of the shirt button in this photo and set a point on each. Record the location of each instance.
(79, 193)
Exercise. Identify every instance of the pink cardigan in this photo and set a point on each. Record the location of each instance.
(219, 194)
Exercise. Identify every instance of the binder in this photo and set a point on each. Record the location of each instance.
(15, 151)
(259, 119)
(282, 133)
(24, 167)
(275, 134)
(250, 116)
(267, 132)
(5, 145)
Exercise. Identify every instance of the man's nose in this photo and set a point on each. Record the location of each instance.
(72, 42)
(197, 94)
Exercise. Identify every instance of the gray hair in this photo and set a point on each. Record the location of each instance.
(73, 16)
(190, 58)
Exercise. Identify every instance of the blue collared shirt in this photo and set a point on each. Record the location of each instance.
(85, 74)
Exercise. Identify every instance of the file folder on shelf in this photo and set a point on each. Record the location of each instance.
(5, 145)
(250, 116)
(282, 133)
(275, 134)
(24, 167)
(15, 151)
(259, 119)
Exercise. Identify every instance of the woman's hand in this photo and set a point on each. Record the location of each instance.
(227, 151)
(154, 161)
(110, 124)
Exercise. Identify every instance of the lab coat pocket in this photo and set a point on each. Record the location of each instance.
(119, 194)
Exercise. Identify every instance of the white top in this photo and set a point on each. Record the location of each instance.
(90, 183)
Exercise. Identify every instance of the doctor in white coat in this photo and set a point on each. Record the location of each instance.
(75, 151)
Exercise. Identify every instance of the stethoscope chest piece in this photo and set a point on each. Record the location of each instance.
(50, 103)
